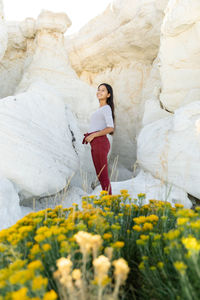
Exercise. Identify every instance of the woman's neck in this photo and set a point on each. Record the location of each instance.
(102, 103)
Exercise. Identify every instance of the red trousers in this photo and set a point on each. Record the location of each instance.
(100, 147)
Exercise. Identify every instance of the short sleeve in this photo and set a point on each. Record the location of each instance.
(107, 112)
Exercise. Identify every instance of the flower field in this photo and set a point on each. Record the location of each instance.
(113, 248)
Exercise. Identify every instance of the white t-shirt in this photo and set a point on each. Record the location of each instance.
(101, 119)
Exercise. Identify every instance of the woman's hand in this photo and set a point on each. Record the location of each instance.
(90, 137)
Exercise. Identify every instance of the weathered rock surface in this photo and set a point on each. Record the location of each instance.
(3, 32)
(180, 54)
(170, 148)
(39, 135)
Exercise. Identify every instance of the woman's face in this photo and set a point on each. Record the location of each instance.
(102, 93)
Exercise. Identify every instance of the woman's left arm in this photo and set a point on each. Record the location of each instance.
(104, 131)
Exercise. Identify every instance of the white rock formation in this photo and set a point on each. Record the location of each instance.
(150, 107)
(12, 64)
(180, 54)
(170, 148)
(10, 210)
(3, 32)
(39, 136)
(126, 31)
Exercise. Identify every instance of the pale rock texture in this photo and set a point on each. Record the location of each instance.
(180, 54)
(3, 32)
(39, 135)
(126, 31)
(170, 148)
(150, 106)
(10, 210)
(12, 64)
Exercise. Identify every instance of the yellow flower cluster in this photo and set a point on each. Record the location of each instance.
(108, 223)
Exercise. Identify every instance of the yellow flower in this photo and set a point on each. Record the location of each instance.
(140, 242)
(20, 294)
(152, 268)
(185, 212)
(39, 238)
(137, 228)
(103, 193)
(107, 236)
(182, 221)
(157, 237)
(160, 265)
(25, 229)
(123, 191)
(195, 224)
(180, 267)
(172, 234)
(29, 244)
(141, 195)
(147, 226)
(145, 257)
(21, 276)
(35, 250)
(191, 243)
(61, 237)
(39, 282)
(106, 198)
(144, 237)
(36, 264)
(152, 218)
(115, 227)
(17, 265)
(46, 247)
(118, 244)
(166, 250)
(107, 208)
(140, 220)
(2, 285)
(177, 205)
(51, 295)
(141, 265)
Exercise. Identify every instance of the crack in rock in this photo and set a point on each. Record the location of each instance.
(73, 139)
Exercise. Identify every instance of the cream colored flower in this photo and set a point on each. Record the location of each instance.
(76, 274)
(108, 252)
(121, 269)
(101, 265)
(64, 265)
(96, 242)
(84, 240)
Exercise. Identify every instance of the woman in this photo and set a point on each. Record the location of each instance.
(101, 124)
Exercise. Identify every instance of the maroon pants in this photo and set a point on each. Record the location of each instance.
(100, 147)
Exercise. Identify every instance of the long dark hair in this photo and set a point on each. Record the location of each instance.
(109, 100)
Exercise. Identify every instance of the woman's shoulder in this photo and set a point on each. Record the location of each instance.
(106, 107)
